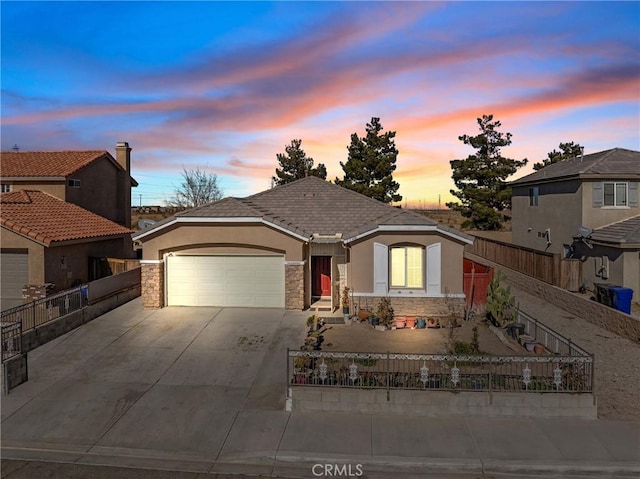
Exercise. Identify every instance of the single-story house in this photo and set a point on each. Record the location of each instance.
(293, 244)
(49, 245)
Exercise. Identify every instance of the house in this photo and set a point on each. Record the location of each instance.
(93, 180)
(291, 245)
(586, 208)
(47, 243)
(50, 245)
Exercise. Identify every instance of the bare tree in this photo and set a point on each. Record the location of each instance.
(198, 187)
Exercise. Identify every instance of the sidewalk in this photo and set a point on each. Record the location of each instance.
(290, 444)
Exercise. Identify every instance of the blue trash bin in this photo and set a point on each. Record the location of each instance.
(622, 298)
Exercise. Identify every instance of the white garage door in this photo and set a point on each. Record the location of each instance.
(243, 281)
(14, 275)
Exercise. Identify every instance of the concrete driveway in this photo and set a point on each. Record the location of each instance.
(138, 382)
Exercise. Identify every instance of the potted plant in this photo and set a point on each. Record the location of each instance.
(345, 305)
(345, 300)
(384, 312)
(411, 321)
(433, 323)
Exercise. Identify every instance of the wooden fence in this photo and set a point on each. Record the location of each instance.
(548, 267)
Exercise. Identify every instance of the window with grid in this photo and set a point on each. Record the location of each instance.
(6, 187)
(615, 193)
(407, 267)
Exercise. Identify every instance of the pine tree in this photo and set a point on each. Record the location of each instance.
(567, 150)
(371, 163)
(295, 164)
(480, 178)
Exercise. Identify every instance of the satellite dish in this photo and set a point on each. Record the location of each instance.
(142, 224)
(584, 232)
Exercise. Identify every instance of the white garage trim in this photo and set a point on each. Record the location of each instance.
(226, 280)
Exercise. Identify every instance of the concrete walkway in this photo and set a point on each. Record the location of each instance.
(201, 390)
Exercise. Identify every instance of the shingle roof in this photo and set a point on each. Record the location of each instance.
(47, 219)
(46, 163)
(313, 206)
(626, 232)
(614, 163)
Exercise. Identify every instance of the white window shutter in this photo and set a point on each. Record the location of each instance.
(380, 268)
(633, 194)
(434, 269)
(597, 194)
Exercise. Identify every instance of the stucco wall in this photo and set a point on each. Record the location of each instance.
(605, 215)
(54, 188)
(559, 209)
(361, 266)
(443, 404)
(98, 190)
(75, 266)
(624, 266)
(11, 240)
(212, 236)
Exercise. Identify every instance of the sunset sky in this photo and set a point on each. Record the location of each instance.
(226, 86)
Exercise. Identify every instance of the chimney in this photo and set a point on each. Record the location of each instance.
(123, 155)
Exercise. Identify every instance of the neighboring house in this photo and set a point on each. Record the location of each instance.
(49, 245)
(93, 180)
(586, 208)
(290, 245)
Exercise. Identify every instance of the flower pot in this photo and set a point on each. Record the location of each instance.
(411, 321)
(363, 314)
(432, 323)
(529, 345)
(401, 322)
(421, 323)
(347, 319)
(538, 349)
(345, 310)
(373, 321)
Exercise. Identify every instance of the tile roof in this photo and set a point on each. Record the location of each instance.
(614, 163)
(47, 219)
(313, 206)
(626, 232)
(46, 163)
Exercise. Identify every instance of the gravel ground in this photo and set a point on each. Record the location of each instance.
(617, 359)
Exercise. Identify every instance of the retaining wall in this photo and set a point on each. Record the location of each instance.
(444, 403)
(603, 316)
(50, 330)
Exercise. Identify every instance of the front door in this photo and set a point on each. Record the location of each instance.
(321, 276)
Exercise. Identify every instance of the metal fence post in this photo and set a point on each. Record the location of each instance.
(388, 377)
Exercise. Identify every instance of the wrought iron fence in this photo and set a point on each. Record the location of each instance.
(11, 339)
(441, 372)
(47, 309)
(550, 339)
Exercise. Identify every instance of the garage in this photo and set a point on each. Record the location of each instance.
(14, 275)
(227, 281)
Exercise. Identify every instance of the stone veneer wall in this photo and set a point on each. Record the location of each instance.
(403, 306)
(607, 318)
(31, 292)
(294, 286)
(152, 285)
